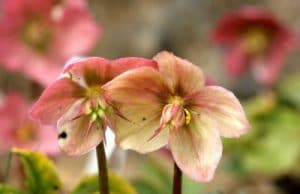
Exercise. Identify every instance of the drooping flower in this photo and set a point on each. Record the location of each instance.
(254, 38)
(37, 37)
(173, 107)
(75, 101)
(19, 130)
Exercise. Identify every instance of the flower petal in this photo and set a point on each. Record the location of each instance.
(56, 100)
(231, 25)
(77, 136)
(267, 70)
(182, 76)
(222, 108)
(236, 60)
(94, 70)
(142, 85)
(196, 149)
(124, 64)
(77, 32)
(138, 95)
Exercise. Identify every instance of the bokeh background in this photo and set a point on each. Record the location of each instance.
(265, 161)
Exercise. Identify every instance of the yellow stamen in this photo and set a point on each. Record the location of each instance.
(188, 116)
(256, 40)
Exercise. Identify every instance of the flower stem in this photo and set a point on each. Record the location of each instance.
(177, 180)
(103, 172)
(7, 167)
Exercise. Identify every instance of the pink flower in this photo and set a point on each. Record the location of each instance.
(76, 103)
(173, 107)
(37, 37)
(254, 39)
(19, 130)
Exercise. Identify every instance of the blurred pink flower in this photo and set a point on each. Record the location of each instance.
(173, 106)
(37, 37)
(255, 39)
(76, 102)
(19, 130)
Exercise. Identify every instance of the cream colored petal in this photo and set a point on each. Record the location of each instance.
(182, 76)
(196, 149)
(135, 134)
(142, 85)
(222, 108)
(139, 96)
(77, 135)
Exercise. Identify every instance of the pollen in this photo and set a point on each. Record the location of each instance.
(256, 40)
(188, 116)
(94, 91)
(176, 100)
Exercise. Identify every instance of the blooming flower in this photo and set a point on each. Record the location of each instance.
(19, 130)
(75, 101)
(37, 37)
(172, 106)
(254, 38)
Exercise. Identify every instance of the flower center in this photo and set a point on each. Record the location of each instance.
(175, 114)
(37, 35)
(97, 110)
(176, 100)
(26, 133)
(255, 40)
(93, 92)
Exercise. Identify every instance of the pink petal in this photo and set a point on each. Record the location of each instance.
(142, 85)
(138, 95)
(221, 107)
(47, 142)
(182, 76)
(236, 61)
(124, 64)
(56, 100)
(76, 32)
(267, 70)
(196, 149)
(233, 23)
(78, 136)
(94, 70)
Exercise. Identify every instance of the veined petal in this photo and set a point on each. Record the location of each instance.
(136, 132)
(139, 95)
(236, 60)
(77, 32)
(221, 108)
(196, 149)
(142, 85)
(92, 69)
(124, 64)
(78, 135)
(182, 76)
(56, 100)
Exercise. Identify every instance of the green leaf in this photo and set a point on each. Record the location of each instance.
(289, 90)
(40, 172)
(260, 105)
(275, 145)
(145, 187)
(117, 185)
(6, 189)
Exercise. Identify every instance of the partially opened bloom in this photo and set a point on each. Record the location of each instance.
(19, 130)
(254, 38)
(37, 37)
(76, 104)
(173, 107)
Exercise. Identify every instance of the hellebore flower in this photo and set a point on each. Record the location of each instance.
(19, 130)
(37, 37)
(76, 103)
(173, 107)
(255, 39)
